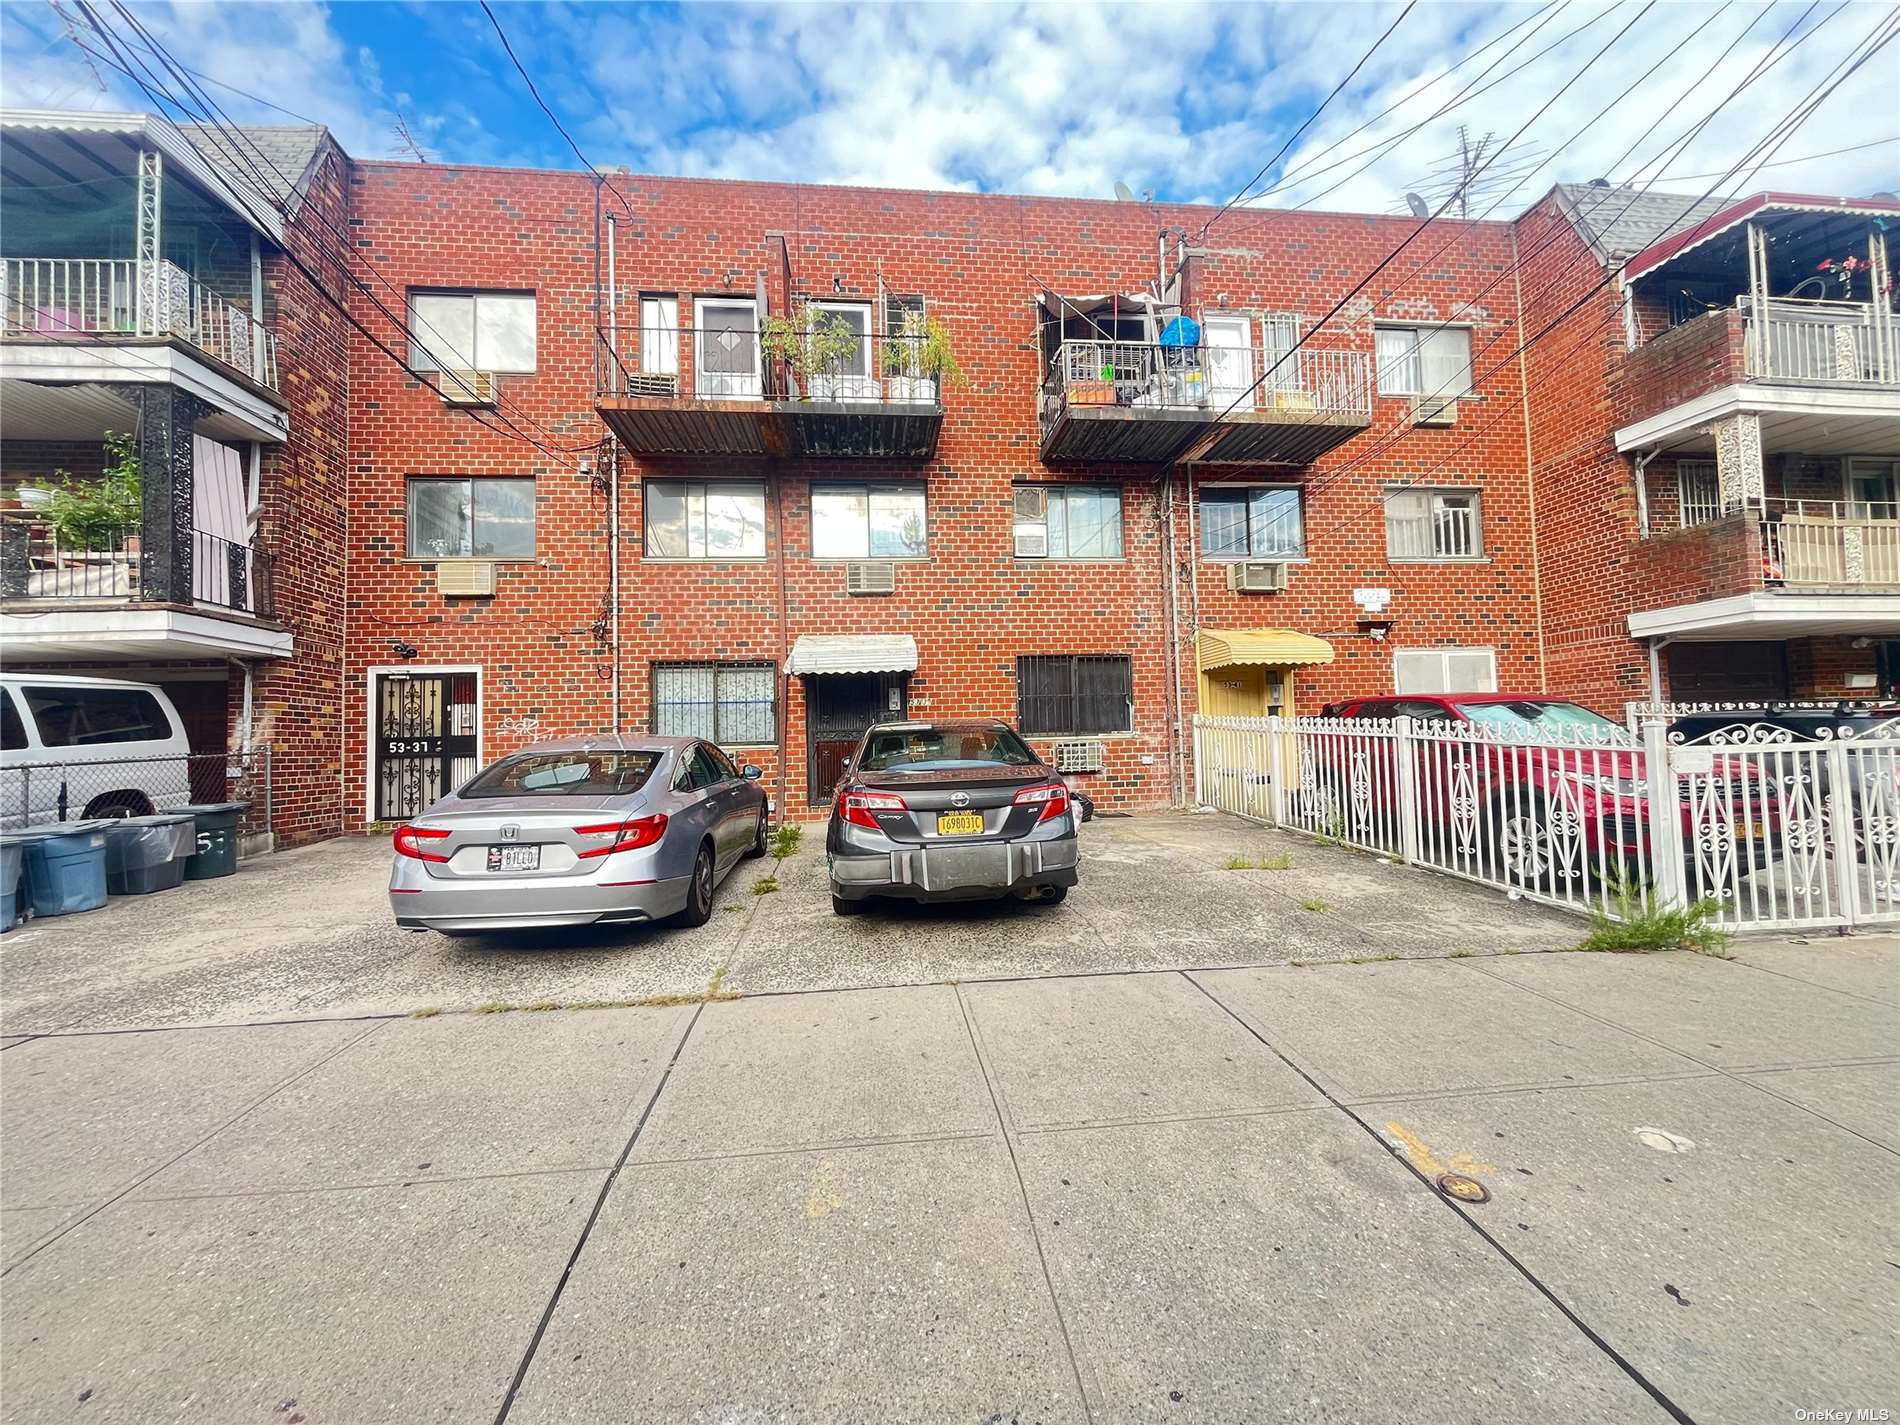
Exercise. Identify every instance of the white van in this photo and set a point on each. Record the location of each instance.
(73, 747)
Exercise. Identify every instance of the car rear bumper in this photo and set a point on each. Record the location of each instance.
(966, 871)
(422, 902)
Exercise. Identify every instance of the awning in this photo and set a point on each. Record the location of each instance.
(855, 653)
(1277, 646)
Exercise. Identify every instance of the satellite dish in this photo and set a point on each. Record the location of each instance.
(1124, 192)
(1420, 208)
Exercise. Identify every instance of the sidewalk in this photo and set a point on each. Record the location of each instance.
(1128, 1197)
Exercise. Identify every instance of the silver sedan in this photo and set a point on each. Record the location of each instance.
(608, 830)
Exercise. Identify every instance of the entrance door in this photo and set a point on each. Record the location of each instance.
(842, 706)
(1230, 373)
(726, 360)
(427, 731)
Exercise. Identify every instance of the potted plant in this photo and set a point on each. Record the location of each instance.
(818, 353)
(103, 514)
(919, 360)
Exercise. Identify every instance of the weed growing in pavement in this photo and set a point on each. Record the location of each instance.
(1462, 954)
(1373, 959)
(785, 839)
(1314, 904)
(426, 1012)
(765, 886)
(1635, 924)
(730, 907)
(494, 1006)
(1281, 862)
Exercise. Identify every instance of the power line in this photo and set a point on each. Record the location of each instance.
(1791, 162)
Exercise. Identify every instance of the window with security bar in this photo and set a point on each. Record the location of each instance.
(1698, 492)
(732, 704)
(1075, 694)
(1252, 522)
(1434, 524)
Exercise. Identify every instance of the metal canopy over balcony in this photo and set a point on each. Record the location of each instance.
(1115, 401)
(716, 392)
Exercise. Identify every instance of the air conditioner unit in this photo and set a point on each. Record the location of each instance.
(1257, 576)
(870, 576)
(660, 384)
(465, 578)
(1080, 757)
(1032, 543)
(466, 388)
(1435, 411)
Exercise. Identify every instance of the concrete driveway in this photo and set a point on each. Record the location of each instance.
(308, 933)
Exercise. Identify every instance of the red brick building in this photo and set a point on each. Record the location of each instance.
(764, 461)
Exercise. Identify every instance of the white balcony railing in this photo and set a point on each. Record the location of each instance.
(1832, 542)
(1305, 383)
(85, 297)
(1834, 343)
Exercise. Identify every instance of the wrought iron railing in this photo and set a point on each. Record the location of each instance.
(37, 562)
(78, 297)
(1305, 382)
(1823, 342)
(1831, 542)
(747, 364)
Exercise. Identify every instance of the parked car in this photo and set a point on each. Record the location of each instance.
(1516, 789)
(599, 831)
(942, 811)
(75, 747)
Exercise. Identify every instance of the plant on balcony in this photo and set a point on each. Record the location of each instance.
(823, 348)
(99, 514)
(920, 349)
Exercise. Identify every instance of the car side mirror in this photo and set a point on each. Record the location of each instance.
(750, 773)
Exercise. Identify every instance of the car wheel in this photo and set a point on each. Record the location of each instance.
(761, 837)
(1529, 850)
(699, 891)
(119, 805)
(1054, 895)
(841, 906)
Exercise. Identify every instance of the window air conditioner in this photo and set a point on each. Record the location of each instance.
(1435, 411)
(466, 388)
(1257, 576)
(1080, 757)
(660, 384)
(870, 576)
(465, 578)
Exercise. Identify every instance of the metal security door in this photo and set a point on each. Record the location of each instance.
(426, 737)
(842, 706)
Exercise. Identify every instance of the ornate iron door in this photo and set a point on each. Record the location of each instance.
(426, 735)
(842, 706)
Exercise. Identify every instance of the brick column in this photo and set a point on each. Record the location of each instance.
(1738, 464)
(165, 421)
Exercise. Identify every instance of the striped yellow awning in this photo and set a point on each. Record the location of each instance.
(1279, 647)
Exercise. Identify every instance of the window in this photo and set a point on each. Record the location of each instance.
(579, 774)
(868, 522)
(1698, 492)
(452, 518)
(838, 339)
(1433, 524)
(1444, 670)
(726, 356)
(471, 331)
(1068, 522)
(89, 717)
(701, 520)
(12, 730)
(1065, 696)
(706, 769)
(1527, 719)
(734, 704)
(660, 335)
(1424, 361)
(1252, 522)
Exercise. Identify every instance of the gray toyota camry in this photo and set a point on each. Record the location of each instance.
(939, 811)
(608, 830)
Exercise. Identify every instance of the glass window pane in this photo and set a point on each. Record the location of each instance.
(1224, 522)
(1418, 671)
(444, 327)
(1446, 362)
(745, 706)
(1471, 670)
(659, 334)
(1408, 533)
(504, 333)
(1275, 517)
(1398, 360)
(683, 701)
(504, 519)
(666, 520)
(1057, 524)
(838, 524)
(897, 524)
(735, 522)
(1094, 524)
(439, 519)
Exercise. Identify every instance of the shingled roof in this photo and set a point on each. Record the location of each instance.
(1620, 221)
(283, 155)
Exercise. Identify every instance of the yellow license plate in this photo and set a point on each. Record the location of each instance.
(959, 823)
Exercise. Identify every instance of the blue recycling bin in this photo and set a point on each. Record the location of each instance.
(10, 849)
(65, 865)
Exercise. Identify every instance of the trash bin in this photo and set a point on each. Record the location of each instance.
(147, 853)
(11, 846)
(65, 866)
(217, 836)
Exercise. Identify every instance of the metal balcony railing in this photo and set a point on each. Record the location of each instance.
(1306, 382)
(747, 364)
(1831, 542)
(82, 297)
(108, 565)
(1835, 343)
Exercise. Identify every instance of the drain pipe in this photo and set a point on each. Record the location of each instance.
(1181, 740)
(1642, 487)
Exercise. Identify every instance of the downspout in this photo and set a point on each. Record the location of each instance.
(612, 453)
(1642, 487)
(1655, 667)
(1170, 585)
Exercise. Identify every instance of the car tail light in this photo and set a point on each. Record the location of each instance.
(629, 835)
(410, 840)
(860, 807)
(1053, 796)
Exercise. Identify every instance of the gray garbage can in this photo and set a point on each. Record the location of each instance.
(217, 839)
(148, 853)
(10, 853)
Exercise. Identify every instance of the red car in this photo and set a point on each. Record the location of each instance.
(1590, 768)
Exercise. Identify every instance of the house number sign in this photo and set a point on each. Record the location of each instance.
(412, 747)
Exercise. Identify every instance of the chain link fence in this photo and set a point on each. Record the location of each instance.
(34, 793)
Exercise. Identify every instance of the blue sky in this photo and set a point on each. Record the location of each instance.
(1187, 100)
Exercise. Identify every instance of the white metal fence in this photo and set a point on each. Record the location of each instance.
(1780, 830)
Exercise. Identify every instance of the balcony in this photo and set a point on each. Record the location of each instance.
(1847, 545)
(1112, 401)
(723, 392)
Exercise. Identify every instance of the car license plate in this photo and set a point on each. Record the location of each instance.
(514, 858)
(959, 823)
